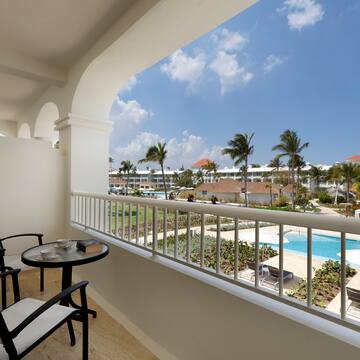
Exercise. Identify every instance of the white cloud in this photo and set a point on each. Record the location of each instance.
(302, 13)
(228, 40)
(230, 73)
(184, 68)
(129, 113)
(271, 62)
(129, 84)
(185, 151)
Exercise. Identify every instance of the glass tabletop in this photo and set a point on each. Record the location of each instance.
(60, 257)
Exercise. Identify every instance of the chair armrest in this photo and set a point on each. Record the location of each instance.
(14, 275)
(81, 285)
(39, 236)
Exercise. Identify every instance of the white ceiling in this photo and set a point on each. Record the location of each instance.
(49, 35)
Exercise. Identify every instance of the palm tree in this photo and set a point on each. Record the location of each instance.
(290, 145)
(157, 153)
(111, 161)
(316, 173)
(299, 164)
(211, 168)
(334, 174)
(126, 168)
(270, 187)
(349, 172)
(276, 163)
(239, 150)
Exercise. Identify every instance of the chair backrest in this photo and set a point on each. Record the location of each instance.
(353, 294)
(17, 244)
(273, 271)
(251, 265)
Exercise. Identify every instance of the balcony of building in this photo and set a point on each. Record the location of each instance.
(165, 290)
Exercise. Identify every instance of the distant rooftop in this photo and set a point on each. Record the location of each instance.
(201, 163)
(353, 158)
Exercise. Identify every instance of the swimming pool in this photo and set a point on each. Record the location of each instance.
(324, 246)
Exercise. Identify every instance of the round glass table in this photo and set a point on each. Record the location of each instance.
(64, 258)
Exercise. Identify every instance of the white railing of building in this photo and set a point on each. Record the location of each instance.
(107, 215)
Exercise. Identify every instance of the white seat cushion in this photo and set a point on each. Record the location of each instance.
(16, 313)
(15, 262)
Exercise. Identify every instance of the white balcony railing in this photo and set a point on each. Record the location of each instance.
(173, 229)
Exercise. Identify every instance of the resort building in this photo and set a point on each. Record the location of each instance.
(230, 190)
(263, 173)
(354, 159)
(165, 289)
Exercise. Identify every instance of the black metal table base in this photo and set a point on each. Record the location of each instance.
(66, 282)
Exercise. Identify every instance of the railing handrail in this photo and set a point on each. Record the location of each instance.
(315, 221)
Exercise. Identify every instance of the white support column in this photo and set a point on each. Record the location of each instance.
(85, 142)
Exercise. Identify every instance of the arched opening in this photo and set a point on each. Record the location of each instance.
(45, 123)
(24, 131)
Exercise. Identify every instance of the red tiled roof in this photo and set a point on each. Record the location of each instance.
(200, 163)
(234, 186)
(354, 158)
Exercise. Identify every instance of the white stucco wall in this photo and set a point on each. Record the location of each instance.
(195, 321)
(32, 189)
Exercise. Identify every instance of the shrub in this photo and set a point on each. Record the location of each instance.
(326, 283)
(281, 201)
(227, 252)
(324, 197)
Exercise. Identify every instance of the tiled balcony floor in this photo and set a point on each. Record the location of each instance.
(107, 338)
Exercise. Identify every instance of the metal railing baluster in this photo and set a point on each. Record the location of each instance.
(116, 218)
(165, 231)
(130, 222)
(137, 223)
(309, 268)
(281, 260)
(236, 248)
(123, 221)
(176, 233)
(343, 276)
(188, 236)
(145, 225)
(202, 240)
(155, 234)
(257, 245)
(218, 244)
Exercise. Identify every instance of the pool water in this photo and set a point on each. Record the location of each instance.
(324, 246)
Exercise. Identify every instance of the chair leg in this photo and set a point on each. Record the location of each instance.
(3, 293)
(71, 333)
(85, 340)
(41, 279)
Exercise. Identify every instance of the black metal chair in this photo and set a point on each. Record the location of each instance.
(9, 262)
(274, 273)
(28, 322)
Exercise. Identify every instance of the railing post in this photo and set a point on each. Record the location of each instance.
(116, 218)
(188, 236)
(309, 267)
(130, 223)
(165, 231)
(137, 223)
(202, 240)
(281, 259)
(176, 233)
(236, 245)
(218, 244)
(155, 234)
(257, 245)
(343, 276)
(123, 220)
(145, 225)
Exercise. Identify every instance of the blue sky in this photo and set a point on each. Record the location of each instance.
(280, 64)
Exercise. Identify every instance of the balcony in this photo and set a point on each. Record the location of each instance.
(182, 281)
